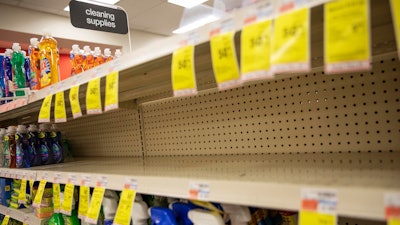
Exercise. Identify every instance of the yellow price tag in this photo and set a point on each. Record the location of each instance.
(31, 182)
(60, 115)
(56, 198)
(183, 74)
(83, 201)
(22, 192)
(39, 195)
(74, 101)
(124, 210)
(112, 83)
(93, 97)
(5, 220)
(66, 206)
(256, 51)
(315, 218)
(347, 36)
(393, 221)
(291, 42)
(224, 60)
(95, 205)
(395, 6)
(44, 114)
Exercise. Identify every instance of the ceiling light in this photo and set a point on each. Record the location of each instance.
(196, 24)
(187, 3)
(96, 2)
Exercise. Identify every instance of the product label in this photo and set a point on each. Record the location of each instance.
(395, 7)
(347, 36)
(22, 192)
(83, 201)
(60, 115)
(392, 208)
(44, 114)
(124, 210)
(183, 73)
(6, 220)
(74, 101)
(95, 205)
(56, 198)
(66, 206)
(223, 55)
(112, 83)
(318, 207)
(291, 42)
(39, 195)
(93, 97)
(45, 72)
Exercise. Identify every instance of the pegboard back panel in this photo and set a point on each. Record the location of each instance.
(114, 134)
(356, 112)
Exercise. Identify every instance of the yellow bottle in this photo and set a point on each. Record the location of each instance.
(49, 61)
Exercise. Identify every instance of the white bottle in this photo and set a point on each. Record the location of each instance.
(118, 53)
(205, 217)
(239, 215)
(139, 213)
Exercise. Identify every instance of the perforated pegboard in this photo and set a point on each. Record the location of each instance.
(115, 134)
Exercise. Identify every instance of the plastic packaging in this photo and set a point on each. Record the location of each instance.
(98, 57)
(44, 144)
(140, 214)
(22, 144)
(34, 57)
(107, 55)
(27, 69)
(88, 62)
(56, 145)
(239, 215)
(8, 75)
(49, 61)
(181, 211)
(162, 216)
(76, 59)
(2, 81)
(201, 216)
(110, 205)
(56, 219)
(3, 132)
(34, 151)
(17, 62)
(10, 148)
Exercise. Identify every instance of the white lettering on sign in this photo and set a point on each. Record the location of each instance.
(104, 22)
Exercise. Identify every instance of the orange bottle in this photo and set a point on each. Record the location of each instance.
(107, 55)
(49, 61)
(98, 57)
(35, 64)
(76, 59)
(88, 62)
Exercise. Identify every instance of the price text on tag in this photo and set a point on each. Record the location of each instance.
(66, 206)
(56, 198)
(347, 36)
(224, 60)
(112, 84)
(74, 101)
(291, 42)
(84, 199)
(198, 190)
(318, 207)
(39, 195)
(125, 204)
(22, 192)
(95, 205)
(60, 115)
(183, 73)
(44, 114)
(93, 97)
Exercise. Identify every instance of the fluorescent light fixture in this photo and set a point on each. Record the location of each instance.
(187, 3)
(96, 2)
(196, 24)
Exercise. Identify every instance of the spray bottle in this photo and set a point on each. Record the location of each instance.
(88, 62)
(44, 144)
(34, 151)
(139, 213)
(49, 61)
(107, 55)
(10, 148)
(162, 216)
(3, 132)
(8, 75)
(98, 57)
(27, 69)
(34, 57)
(76, 59)
(239, 215)
(202, 217)
(181, 211)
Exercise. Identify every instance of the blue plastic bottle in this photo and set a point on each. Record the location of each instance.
(162, 216)
(181, 211)
(44, 144)
(2, 81)
(8, 76)
(34, 151)
(27, 69)
(22, 150)
(17, 62)
(56, 144)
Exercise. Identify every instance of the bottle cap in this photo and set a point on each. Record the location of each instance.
(107, 52)
(118, 53)
(16, 47)
(34, 41)
(8, 52)
(32, 128)
(11, 130)
(24, 53)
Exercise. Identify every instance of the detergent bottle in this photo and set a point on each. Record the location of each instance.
(162, 216)
(98, 57)
(8, 74)
(27, 69)
(239, 215)
(88, 62)
(49, 61)
(56, 145)
(34, 151)
(10, 148)
(76, 59)
(139, 213)
(34, 58)
(17, 62)
(22, 144)
(44, 144)
(107, 55)
(181, 211)
(3, 132)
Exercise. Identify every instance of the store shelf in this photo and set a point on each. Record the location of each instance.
(24, 215)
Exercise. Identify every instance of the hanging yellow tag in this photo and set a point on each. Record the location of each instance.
(60, 115)
(74, 101)
(22, 192)
(315, 218)
(393, 221)
(256, 50)
(66, 206)
(318, 207)
(112, 83)
(291, 42)
(93, 97)
(5, 220)
(44, 114)
(95, 205)
(39, 195)
(56, 198)
(183, 74)
(224, 60)
(395, 6)
(124, 210)
(31, 182)
(347, 36)
(83, 201)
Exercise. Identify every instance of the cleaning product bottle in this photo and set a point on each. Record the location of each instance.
(181, 211)
(44, 144)
(34, 151)
(117, 54)
(2, 145)
(107, 55)
(8, 75)
(110, 205)
(239, 215)
(88, 62)
(76, 59)
(22, 143)
(55, 137)
(27, 69)
(2, 81)
(17, 62)
(162, 216)
(35, 64)
(140, 214)
(201, 216)
(10, 148)
(98, 57)
(49, 61)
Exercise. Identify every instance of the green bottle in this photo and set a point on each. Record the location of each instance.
(17, 62)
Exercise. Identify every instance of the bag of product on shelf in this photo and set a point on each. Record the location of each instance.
(34, 57)
(49, 61)
(45, 210)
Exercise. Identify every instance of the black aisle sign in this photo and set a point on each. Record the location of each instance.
(95, 17)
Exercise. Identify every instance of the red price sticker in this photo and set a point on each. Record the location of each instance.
(318, 207)
(199, 190)
(392, 208)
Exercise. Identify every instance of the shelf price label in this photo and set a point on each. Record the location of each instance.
(183, 72)
(56, 197)
(199, 190)
(291, 42)
(395, 7)
(84, 197)
(256, 50)
(5, 220)
(60, 115)
(347, 40)
(39, 195)
(318, 207)
(112, 84)
(124, 210)
(74, 101)
(66, 206)
(93, 97)
(22, 192)
(392, 208)
(224, 62)
(95, 202)
(44, 113)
